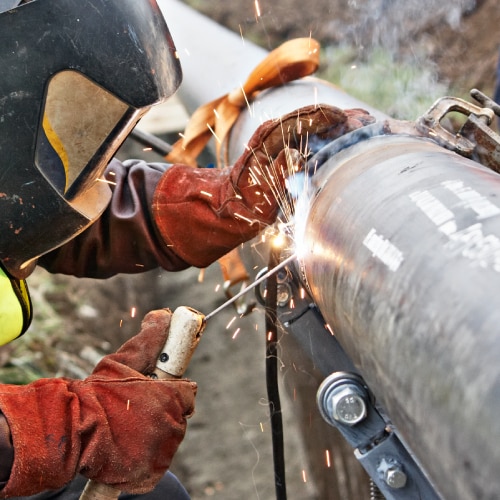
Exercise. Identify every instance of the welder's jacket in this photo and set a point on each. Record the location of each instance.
(123, 240)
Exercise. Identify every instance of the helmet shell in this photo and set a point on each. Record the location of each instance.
(80, 75)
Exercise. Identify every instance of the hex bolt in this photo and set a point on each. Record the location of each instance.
(348, 404)
(392, 473)
(343, 399)
(284, 294)
(395, 477)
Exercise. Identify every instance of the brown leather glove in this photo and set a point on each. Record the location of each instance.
(117, 426)
(204, 213)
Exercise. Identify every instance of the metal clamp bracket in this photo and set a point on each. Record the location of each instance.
(430, 124)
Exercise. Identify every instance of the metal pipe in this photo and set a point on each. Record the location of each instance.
(402, 256)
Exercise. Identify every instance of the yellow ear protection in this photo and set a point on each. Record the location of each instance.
(15, 307)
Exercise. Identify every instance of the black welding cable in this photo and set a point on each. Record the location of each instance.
(272, 379)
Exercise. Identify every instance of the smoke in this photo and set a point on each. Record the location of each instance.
(392, 23)
(383, 56)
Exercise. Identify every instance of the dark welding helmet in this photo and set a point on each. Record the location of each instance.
(75, 77)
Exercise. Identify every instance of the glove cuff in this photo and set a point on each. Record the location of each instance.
(202, 215)
(45, 449)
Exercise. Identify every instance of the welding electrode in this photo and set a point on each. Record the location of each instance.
(252, 285)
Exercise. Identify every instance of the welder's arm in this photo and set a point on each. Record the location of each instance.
(124, 239)
(118, 426)
(203, 214)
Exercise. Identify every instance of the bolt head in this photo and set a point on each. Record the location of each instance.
(395, 477)
(348, 405)
(284, 294)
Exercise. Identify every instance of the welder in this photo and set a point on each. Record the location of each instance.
(76, 77)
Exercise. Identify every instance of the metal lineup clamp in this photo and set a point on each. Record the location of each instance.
(345, 402)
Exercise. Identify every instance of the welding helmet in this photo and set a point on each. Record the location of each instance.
(76, 77)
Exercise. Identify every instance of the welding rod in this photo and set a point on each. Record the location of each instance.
(252, 285)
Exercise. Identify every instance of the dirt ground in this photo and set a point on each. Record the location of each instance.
(227, 454)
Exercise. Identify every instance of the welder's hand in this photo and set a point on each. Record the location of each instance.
(202, 214)
(118, 426)
(279, 148)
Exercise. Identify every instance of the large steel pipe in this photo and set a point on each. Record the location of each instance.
(402, 256)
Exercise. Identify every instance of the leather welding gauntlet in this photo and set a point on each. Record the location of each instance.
(117, 426)
(202, 214)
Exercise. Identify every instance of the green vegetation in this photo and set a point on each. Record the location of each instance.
(400, 89)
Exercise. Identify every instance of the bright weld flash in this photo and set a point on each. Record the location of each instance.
(279, 241)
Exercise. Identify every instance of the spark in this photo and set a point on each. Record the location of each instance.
(213, 133)
(236, 333)
(132, 312)
(106, 181)
(128, 404)
(201, 276)
(217, 287)
(147, 149)
(230, 323)
(261, 427)
(304, 476)
(257, 8)
(206, 194)
(328, 459)
(267, 199)
(242, 217)
(329, 328)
